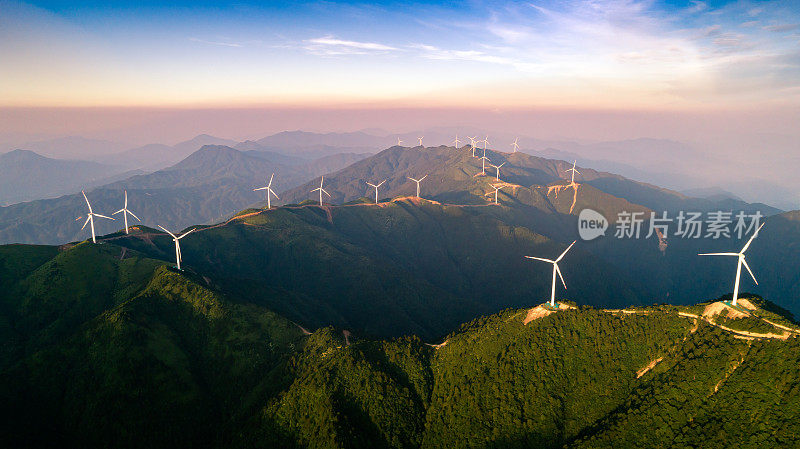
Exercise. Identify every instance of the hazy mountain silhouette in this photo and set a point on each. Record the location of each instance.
(26, 175)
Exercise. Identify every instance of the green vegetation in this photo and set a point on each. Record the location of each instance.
(107, 347)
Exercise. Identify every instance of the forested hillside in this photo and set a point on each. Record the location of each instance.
(108, 347)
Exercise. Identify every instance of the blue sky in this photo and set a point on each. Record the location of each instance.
(578, 53)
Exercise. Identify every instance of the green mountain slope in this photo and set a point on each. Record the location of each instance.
(404, 267)
(580, 378)
(108, 347)
(129, 352)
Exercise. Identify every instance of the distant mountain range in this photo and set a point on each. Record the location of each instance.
(26, 176)
(213, 182)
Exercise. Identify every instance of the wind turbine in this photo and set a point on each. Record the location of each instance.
(417, 181)
(484, 159)
(176, 239)
(485, 142)
(90, 217)
(456, 141)
(420, 141)
(572, 181)
(556, 270)
(399, 141)
(496, 190)
(269, 190)
(739, 264)
(321, 180)
(472, 144)
(514, 144)
(124, 211)
(498, 169)
(376, 189)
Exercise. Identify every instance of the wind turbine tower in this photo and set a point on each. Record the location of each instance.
(484, 160)
(269, 190)
(573, 170)
(375, 186)
(125, 212)
(739, 264)
(472, 144)
(417, 181)
(556, 271)
(321, 190)
(496, 190)
(177, 239)
(456, 142)
(90, 217)
(497, 167)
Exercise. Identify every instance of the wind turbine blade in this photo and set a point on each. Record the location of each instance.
(326, 192)
(565, 251)
(718, 254)
(755, 234)
(260, 188)
(744, 262)
(87, 222)
(103, 216)
(381, 183)
(270, 180)
(420, 179)
(501, 165)
(186, 233)
(273, 192)
(87, 201)
(558, 270)
(115, 213)
(165, 230)
(134, 215)
(372, 185)
(539, 258)
(409, 177)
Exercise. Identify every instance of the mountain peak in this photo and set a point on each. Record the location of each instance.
(20, 155)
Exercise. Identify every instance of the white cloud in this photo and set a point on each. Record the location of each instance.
(332, 46)
(221, 44)
(783, 27)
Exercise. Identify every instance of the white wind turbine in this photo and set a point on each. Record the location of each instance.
(556, 270)
(484, 160)
(514, 144)
(177, 239)
(321, 180)
(456, 142)
(496, 190)
(90, 217)
(572, 181)
(417, 181)
(399, 141)
(485, 143)
(420, 141)
(125, 212)
(497, 167)
(472, 144)
(375, 186)
(269, 190)
(739, 264)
